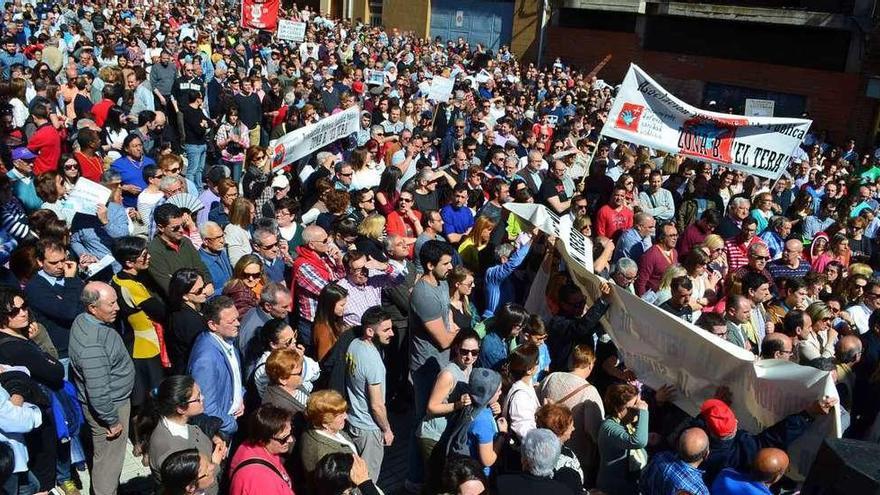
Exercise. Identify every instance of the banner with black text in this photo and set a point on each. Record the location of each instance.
(300, 142)
(644, 113)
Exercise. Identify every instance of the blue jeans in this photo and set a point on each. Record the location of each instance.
(235, 169)
(195, 156)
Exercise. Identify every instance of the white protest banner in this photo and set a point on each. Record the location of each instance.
(291, 30)
(759, 108)
(300, 142)
(644, 113)
(87, 195)
(661, 349)
(441, 88)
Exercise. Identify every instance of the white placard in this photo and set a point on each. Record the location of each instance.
(759, 108)
(291, 30)
(300, 142)
(87, 195)
(375, 77)
(441, 88)
(644, 113)
(459, 18)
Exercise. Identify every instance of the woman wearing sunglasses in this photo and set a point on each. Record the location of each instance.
(246, 284)
(257, 466)
(449, 392)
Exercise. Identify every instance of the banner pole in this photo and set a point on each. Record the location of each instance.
(590, 161)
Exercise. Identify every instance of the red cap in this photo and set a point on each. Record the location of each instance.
(358, 87)
(720, 420)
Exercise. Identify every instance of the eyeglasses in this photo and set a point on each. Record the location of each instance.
(406, 200)
(175, 228)
(761, 258)
(347, 175)
(173, 170)
(198, 292)
(252, 276)
(469, 352)
(215, 237)
(367, 200)
(70, 166)
(284, 439)
(268, 246)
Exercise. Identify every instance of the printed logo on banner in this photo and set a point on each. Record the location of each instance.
(711, 139)
(278, 156)
(629, 117)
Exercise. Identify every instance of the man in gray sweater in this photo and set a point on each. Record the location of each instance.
(104, 376)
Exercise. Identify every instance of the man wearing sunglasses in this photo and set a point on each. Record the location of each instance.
(171, 250)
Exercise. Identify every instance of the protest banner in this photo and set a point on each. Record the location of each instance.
(300, 142)
(644, 113)
(291, 30)
(662, 349)
(87, 195)
(259, 14)
(759, 108)
(441, 88)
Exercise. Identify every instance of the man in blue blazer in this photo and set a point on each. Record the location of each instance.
(215, 364)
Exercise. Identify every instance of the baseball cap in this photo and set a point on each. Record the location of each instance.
(719, 418)
(280, 182)
(358, 87)
(22, 153)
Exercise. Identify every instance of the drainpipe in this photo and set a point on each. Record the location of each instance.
(541, 34)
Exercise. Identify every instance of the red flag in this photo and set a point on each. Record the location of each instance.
(260, 14)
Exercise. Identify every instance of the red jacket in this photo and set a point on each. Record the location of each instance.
(258, 479)
(46, 144)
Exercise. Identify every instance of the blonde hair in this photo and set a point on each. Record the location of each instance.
(713, 241)
(672, 272)
(373, 226)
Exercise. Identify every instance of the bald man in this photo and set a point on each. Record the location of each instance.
(777, 346)
(103, 372)
(847, 353)
(768, 468)
(675, 472)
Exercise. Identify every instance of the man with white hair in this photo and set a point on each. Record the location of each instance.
(731, 224)
(103, 372)
(319, 262)
(540, 450)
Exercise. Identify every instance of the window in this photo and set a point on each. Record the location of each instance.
(376, 12)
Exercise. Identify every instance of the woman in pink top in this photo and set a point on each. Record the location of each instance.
(257, 468)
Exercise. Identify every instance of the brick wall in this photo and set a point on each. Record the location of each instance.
(835, 100)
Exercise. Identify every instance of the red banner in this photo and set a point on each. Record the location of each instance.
(260, 14)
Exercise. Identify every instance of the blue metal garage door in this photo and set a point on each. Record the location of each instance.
(486, 22)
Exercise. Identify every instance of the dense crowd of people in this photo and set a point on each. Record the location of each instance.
(245, 328)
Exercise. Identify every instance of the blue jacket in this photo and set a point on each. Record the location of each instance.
(499, 286)
(210, 369)
(731, 482)
(218, 266)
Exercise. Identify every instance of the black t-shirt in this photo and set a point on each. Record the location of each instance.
(550, 187)
(425, 202)
(250, 109)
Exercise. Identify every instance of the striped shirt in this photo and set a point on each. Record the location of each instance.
(363, 297)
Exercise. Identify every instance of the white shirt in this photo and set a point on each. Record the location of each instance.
(176, 429)
(237, 392)
(520, 407)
